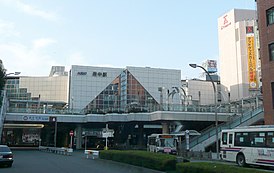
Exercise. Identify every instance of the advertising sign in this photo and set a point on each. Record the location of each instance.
(35, 118)
(211, 66)
(251, 62)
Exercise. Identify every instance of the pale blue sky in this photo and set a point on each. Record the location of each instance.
(36, 34)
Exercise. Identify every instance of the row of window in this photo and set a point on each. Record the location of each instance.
(250, 139)
(270, 21)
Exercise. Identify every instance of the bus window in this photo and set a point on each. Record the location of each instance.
(230, 138)
(257, 139)
(270, 139)
(224, 138)
(241, 139)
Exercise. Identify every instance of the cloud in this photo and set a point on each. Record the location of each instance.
(31, 10)
(43, 42)
(7, 29)
(29, 60)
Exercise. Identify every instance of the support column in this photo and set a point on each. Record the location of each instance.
(165, 128)
(140, 134)
(79, 137)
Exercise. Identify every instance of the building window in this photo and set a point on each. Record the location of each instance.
(270, 16)
(271, 51)
(272, 89)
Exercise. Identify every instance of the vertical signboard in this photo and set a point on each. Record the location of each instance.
(251, 56)
(211, 66)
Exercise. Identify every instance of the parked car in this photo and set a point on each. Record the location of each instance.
(6, 156)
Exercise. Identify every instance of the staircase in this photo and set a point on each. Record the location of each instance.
(208, 136)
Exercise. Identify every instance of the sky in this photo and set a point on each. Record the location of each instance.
(170, 34)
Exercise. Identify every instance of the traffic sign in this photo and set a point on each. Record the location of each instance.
(107, 134)
(71, 133)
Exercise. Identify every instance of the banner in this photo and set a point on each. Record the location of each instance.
(253, 84)
(212, 66)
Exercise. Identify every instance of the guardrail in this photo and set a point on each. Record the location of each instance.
(93, 153)
(62, 150)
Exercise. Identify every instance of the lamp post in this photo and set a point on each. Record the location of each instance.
(14, 73)
(215, 105)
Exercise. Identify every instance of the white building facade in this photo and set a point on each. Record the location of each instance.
(104, 90)
(200, 92)
(238, 57)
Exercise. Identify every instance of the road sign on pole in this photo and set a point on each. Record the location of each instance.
(71, 133)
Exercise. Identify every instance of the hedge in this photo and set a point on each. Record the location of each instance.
(210, 167)
(157, 161)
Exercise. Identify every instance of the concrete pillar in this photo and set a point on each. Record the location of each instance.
(165, 128)
(140, 134)
(79, 137)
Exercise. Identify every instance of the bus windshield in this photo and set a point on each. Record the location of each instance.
(167, 142)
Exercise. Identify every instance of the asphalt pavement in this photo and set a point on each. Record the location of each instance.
(34, 161)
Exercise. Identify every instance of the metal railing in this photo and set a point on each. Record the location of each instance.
(235, 121)
(176, 108)
(62, 150)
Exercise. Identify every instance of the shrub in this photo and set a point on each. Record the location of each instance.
(146, 159)
(210, 167)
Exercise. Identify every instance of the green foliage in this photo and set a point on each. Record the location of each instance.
(210, 167)
(146, 159)
(2, 75)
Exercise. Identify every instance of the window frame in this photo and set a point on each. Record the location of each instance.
(272, 93)
(270, 50)
(270, 14)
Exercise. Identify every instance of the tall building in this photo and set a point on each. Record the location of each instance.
(239, 65)
(265, 10)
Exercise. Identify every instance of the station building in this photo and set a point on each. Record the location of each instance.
(84, 90)
(106, 90)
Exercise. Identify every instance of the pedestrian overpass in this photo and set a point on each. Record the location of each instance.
(230, 115)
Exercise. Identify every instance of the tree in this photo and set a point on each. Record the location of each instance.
(2, 75)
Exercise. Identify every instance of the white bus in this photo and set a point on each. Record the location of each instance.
(165, 143)
(248, 145)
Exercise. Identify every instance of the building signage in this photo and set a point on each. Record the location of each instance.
(251, 63)
(82, 73)
(35, 118)
(249, 30)
(226, 22)
(99, 74)
(211, 66)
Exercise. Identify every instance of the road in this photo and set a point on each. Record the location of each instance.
(33, 161)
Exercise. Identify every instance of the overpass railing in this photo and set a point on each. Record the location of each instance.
(225, 108)
(234, 122)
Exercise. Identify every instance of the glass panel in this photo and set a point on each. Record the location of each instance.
(271, 51)
(124, 94)
(270, 16)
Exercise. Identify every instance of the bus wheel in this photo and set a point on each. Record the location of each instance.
(240, 160)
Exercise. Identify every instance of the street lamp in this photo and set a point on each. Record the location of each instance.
(215, 105)
(14, 73)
